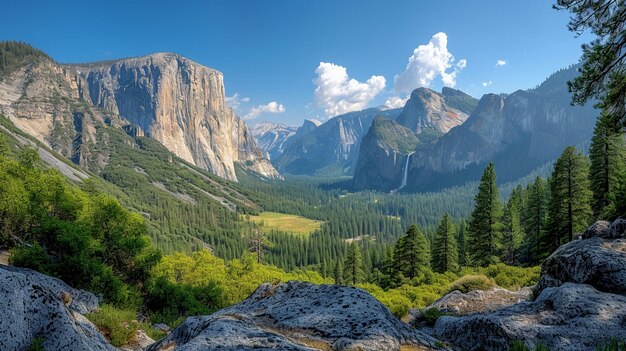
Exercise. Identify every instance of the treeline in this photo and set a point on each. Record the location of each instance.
(524, 230)
(14, 54)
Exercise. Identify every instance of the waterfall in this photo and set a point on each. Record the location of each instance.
(406, 171)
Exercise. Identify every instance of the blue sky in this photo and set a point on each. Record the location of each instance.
(275, 54)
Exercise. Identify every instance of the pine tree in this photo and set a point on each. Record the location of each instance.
(535, 215)
(338, 273)
(461, 239)
(353, 265)
(607, 172)
(445, 256)
(512, 226)
(484, 225)
(411, 254)
(570, 199)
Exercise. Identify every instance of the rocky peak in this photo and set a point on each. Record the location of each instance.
(428, 112)
(179, 103)
(165, 96)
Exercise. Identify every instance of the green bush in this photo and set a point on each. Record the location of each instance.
(520, 346)
(120, 325)
(36, 345)
(117, 325)
(33, 257)
(613, 345)
(431, 315)
(472, 282)
(171, 302)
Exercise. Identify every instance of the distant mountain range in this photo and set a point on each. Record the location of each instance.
(450, 136)
(518, 132)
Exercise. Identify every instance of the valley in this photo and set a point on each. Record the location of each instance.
(144, 208)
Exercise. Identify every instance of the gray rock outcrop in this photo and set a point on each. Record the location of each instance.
(34, 305)
(298, 316)
(580, 301)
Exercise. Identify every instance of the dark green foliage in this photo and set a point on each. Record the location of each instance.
(14, 54)
(461, 239)
(431, 315)
(570, 198)
(484, 225)
(89, 241)
(353, 265)
(411, 254)
(534, 218)
(520, 346)
(603, 74)
(36, 344)
(169, 302)
(607, 173)
(613, 345)
(512, 232)
(445, 256)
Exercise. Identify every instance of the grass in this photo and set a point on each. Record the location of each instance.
(119, 325)
(286, 223)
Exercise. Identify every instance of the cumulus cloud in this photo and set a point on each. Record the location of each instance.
(337, 93)
(486, 84)
(427, 63)
(235, 101)
(396, 101)
(271, 107)
(500, 63)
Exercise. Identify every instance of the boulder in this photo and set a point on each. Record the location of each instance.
(568, 317)
(36, 306)
(600, 228)
(298, 316)
(618, 228)
(457, 303)
(596, 261)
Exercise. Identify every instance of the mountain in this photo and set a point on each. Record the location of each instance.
(387, 146)
(432, 114)
(271, 137)
(163, 96)
(332, 148)
(386, 150)
(518, 132)
(274, 137)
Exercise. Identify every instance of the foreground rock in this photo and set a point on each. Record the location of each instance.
(457, 303)
(298, 316)
(580, 302)
(34, 305)
(599, 261)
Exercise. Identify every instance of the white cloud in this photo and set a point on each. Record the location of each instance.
(337, 93)
(396, 101)
(235, 101)
(486, 84)
(500, 63)
(427, 62)
(272, 107)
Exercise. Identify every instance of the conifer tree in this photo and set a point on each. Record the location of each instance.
(412, 253)
(338, 273)
(353, 265)
(512, 226)
(535, 214)
(461, 239)
(570, 199)
(607, 172)
(445, 256)
(484, 225)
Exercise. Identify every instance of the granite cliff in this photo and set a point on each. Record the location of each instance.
(164, 96)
